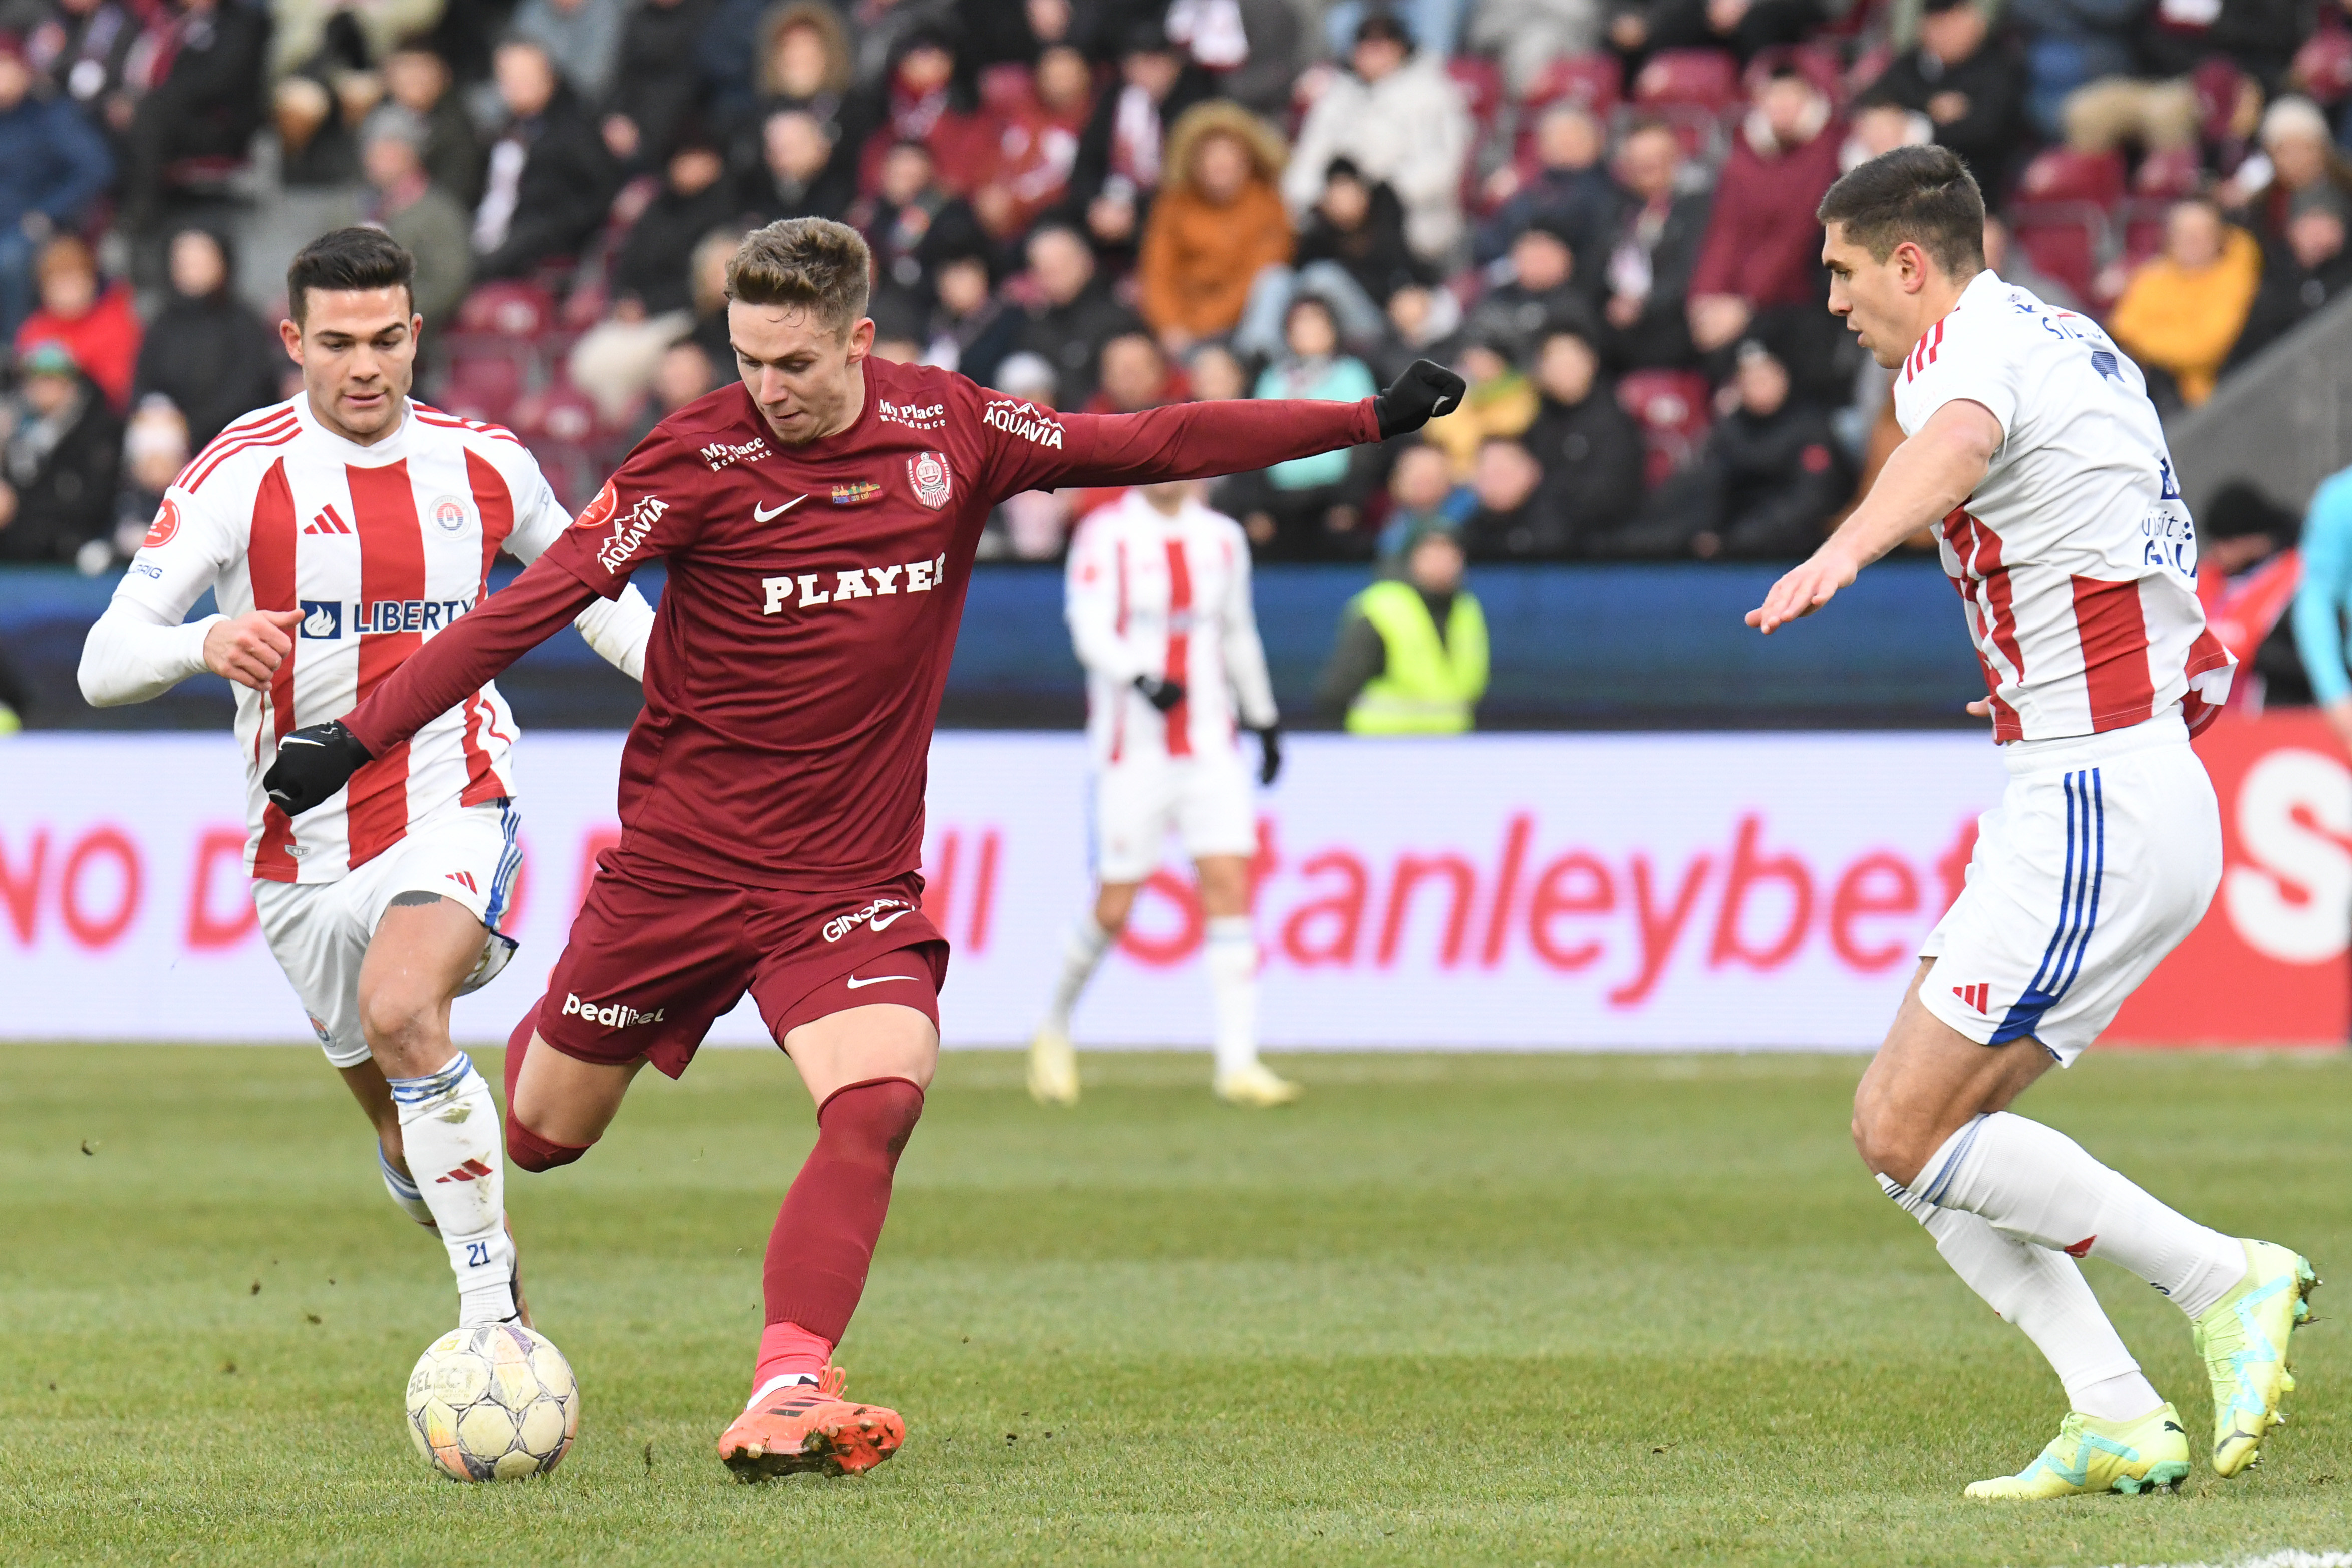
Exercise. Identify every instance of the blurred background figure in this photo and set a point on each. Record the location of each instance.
(2182, 310)
(211, 355)
(53, 165)
(1412, 653)
(58, 468)
(1219, 222)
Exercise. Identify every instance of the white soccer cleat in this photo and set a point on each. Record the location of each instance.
(1256, 1086)
(1053, 1068)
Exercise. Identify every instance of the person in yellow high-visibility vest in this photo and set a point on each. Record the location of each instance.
(1412, 656)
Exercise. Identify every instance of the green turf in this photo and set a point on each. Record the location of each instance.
(1493, 1309)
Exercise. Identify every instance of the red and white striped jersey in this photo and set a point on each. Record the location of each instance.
(1148, 594)
(2075, 555)
(379, 548)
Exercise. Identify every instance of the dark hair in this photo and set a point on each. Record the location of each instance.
(1922, 195)
(814, 263)
(347, 261)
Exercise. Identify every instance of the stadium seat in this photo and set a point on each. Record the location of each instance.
(2066, 240)
(1671, 406)
(508, 309)
(2062, 174)
(1820, 64)
(1594, 83)
(1007, 89)
(1481, 82)
(2323, 65)
(486, 386)
(2141, 225)
(1704, 79)
(2169, 174)
(562, 414)
(2220, 88)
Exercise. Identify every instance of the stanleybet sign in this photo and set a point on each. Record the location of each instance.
(1527, 891)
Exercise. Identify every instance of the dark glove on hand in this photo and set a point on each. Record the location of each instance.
(1425, 391)
(1269, 754)
(312, 764)
(1161, 694)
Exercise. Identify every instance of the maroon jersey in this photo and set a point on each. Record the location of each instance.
(803, 639)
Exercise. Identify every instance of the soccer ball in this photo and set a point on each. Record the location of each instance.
(493, 1403)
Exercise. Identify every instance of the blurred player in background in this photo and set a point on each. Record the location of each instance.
(341, 531)
(2034, 451)
(819, 518)
(1159, 605)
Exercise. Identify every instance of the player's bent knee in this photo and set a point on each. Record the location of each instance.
(877, 1113)
(530, 1152)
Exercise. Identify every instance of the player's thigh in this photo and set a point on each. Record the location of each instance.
(849, 984)
(467, 862)
(566, 1100)
(856, 1045)
(649, 967)
(1134, 808)
(318, 934)
(1927, 1081)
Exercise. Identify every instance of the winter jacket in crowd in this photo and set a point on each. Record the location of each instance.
(1199, 255)
(1409, 129)
(1762, 245)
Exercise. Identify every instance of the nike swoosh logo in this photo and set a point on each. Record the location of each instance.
(769, 514)
(884, 921)
(854, 983)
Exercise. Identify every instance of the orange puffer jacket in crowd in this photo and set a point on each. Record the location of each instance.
(1198, 257)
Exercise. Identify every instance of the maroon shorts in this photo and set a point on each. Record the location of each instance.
(655, 960)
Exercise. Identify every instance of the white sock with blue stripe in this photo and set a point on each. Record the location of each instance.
(2036, 1184)
(403, 1192)
(449, 1130)
(1232, 960)
(2043, 1293)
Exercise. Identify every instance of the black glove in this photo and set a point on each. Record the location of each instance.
(312, 764)
(1421, 393)
(1161, 694)
(1269, 754)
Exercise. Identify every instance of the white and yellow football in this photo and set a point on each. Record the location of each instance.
(493, 1403)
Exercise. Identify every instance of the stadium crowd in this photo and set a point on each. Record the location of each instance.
(1600, 211)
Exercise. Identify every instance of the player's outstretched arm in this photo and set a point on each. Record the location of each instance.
(1928, 475)
(132, 653)
(317, 760)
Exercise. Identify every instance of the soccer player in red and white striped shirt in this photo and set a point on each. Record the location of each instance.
(2033, 453)
(340, 530)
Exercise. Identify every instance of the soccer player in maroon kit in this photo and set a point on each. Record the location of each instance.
(819, 520)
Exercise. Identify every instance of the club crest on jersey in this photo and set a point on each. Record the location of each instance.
(322, 619)
(166, 525)
(856, 493)
(448, 515)
(927, 472)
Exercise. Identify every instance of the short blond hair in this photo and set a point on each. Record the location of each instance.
(814, 263)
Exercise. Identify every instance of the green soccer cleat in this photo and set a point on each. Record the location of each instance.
(2093, 1456)
(2244, 1339)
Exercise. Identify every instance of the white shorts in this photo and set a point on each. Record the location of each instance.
(319, 931)
(2102, 855)
(1205, 799)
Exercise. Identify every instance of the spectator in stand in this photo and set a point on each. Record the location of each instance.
(1401, 118)
(1589, 449)
(1352, 254)
(683, 373)
(1528, 34)
(1219, 222)
(97, 322)
(907, 208)
(203, 107)
(1744, 27)
(1118, 164)
(1412, 654)
(154, 450)
(1421, 496)
(1569, 186)
(924, 97)
(1501, 401)
(1760, 267)
(418, 79)
(1252, 47)
(2258, 36)
(1966, 83)
(1540, 290)
(711, 254)
(973, 327)
(1309, 506)
(426, 219)
(801, 60)
(1508, 520)
(52, 165)
(583, 37)
(551, 179)
(1880, 128)
(208, 350)
(655, 96)
(2071, 44)
(85, 46)
(1423, 323)
(801, 172)
(59, 469)
(1136, 375)
(1072, 315)
(2305, 271)
(1038, 147)
(2184, 306)
(2007, 261)
(1653, 251)
(2297, 155)
(652, 282)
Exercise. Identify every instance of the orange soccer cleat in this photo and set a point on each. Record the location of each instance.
(810, 1427)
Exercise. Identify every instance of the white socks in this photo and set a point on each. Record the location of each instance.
(449, 1130)
(403, 1192)
(2043, 1293)
(2034, 1183)
(1232, 958)
(1082, 954)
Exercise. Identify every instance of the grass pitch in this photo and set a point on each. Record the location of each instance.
(1497, 1309)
